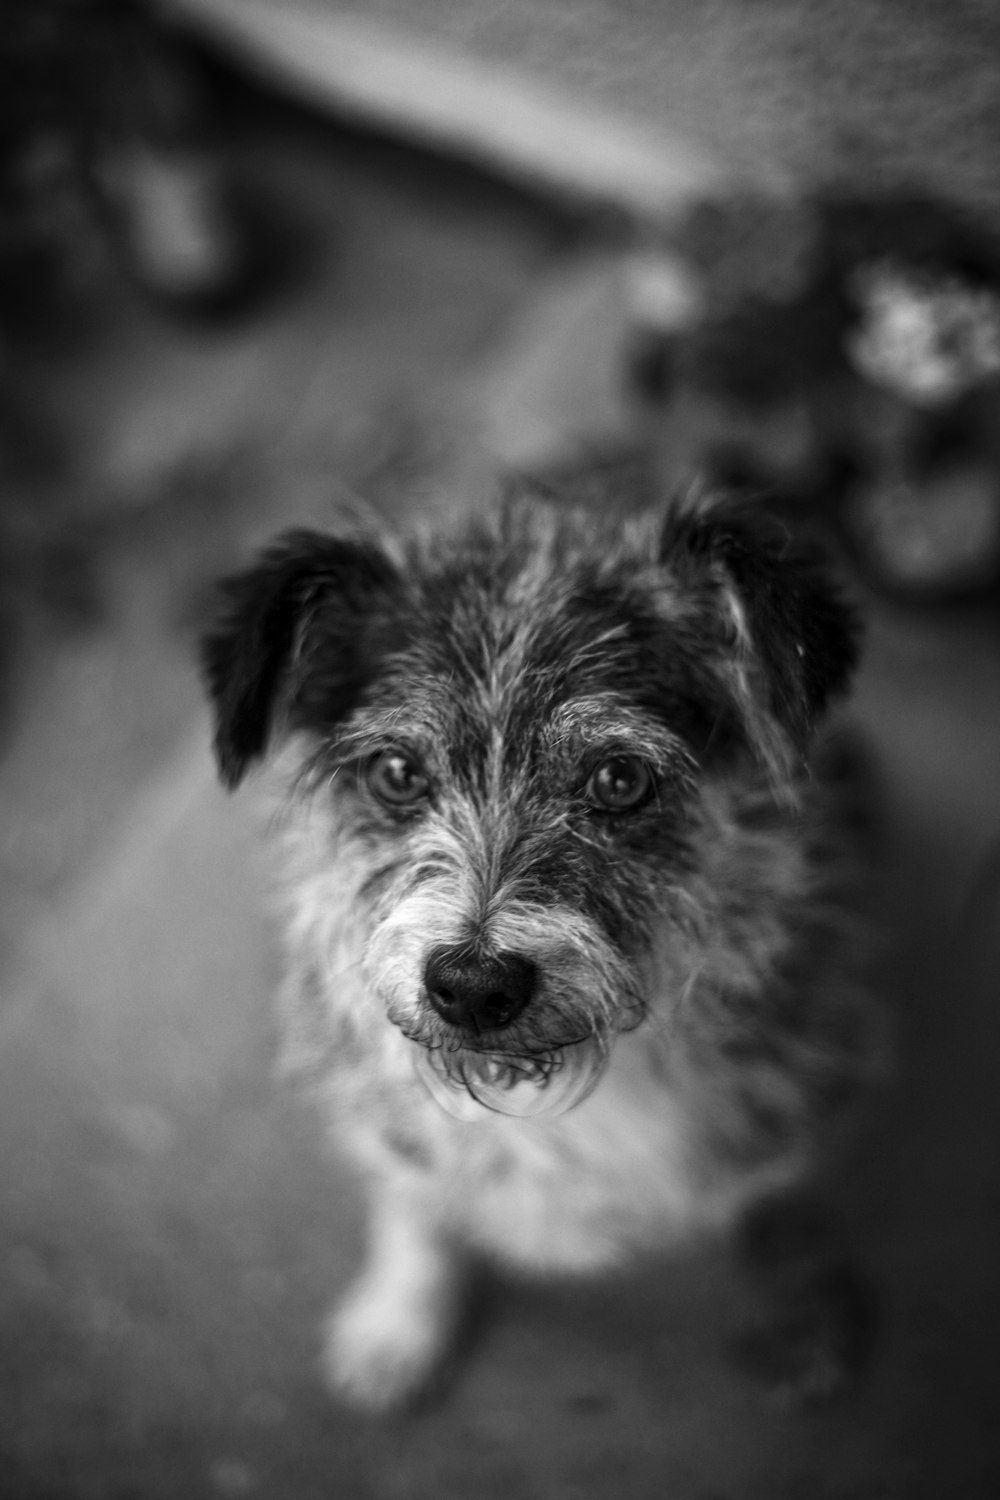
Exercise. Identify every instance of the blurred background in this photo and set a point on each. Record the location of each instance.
(259, 258)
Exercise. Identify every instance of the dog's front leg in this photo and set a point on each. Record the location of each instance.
(387, 1337)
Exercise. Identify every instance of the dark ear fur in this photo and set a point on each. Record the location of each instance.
(780, 605)
(307, 595)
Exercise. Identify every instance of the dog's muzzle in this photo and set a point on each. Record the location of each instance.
(487, 1059)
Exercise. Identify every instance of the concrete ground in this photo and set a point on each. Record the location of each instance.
(169, 1230)
(637, 103)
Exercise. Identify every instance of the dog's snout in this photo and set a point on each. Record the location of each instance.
(478, 994)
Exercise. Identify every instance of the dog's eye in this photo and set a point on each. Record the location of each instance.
(619, 784)
(397, 779)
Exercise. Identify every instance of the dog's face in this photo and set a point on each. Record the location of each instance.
(513, 732)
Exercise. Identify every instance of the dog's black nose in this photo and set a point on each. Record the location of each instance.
(479, 994)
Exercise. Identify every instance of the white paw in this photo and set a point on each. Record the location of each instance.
(380, 1349)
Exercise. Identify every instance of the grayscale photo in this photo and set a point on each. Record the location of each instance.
(499, 749)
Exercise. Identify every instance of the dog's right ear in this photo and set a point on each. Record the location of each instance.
(294, 643)
(789, 640)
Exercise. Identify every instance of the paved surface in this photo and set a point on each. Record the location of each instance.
(636, 100)
(168, 1230)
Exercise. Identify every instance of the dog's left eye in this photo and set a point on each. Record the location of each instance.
(619, 784)
(397, 779)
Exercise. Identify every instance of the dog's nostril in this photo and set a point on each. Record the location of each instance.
(479, 994)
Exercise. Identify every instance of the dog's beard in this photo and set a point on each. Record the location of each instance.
(470, 1084)
(555, 1053)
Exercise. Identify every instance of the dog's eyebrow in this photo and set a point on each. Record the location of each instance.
(369, 732)
(607, 719)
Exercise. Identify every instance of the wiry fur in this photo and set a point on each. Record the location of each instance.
(698, 945)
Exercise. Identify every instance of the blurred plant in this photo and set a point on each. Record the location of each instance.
(847, 350)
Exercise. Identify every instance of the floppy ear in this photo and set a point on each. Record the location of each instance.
(294, 642)
(791, 640)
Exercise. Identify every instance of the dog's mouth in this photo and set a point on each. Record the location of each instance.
(470, 1085)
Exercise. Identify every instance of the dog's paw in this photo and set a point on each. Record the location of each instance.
(381, 1352)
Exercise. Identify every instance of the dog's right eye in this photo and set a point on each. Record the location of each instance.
(620, 784)
(397, 779)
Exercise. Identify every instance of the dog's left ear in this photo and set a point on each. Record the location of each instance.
(792, 640)
(295, 643)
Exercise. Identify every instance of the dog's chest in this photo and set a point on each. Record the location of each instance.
(581, 1190)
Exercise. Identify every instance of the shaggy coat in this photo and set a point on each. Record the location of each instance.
(570, 940)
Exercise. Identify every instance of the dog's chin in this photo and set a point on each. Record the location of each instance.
(474, 1085)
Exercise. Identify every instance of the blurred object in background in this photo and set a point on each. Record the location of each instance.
(922, 501)
(108, 124)
(154, 161)
(124, 206)
(847, 350)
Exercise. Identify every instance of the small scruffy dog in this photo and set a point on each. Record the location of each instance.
(569, 965)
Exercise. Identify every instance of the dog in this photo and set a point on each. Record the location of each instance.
(571, 958)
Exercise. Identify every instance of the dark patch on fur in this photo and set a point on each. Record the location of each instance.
(803, 631)
(310, 626)
(297, 637)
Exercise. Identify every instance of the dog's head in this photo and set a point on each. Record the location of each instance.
(528, 737)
